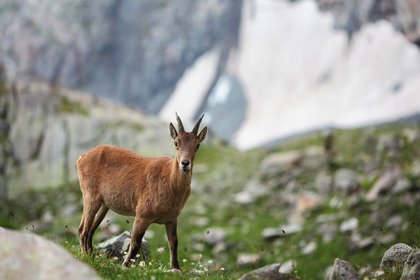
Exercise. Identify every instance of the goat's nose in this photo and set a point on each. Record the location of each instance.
(185, 162)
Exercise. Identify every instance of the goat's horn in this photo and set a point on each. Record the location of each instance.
(180, 125)
(197, 125)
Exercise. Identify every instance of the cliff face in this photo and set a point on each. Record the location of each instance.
(351, 15)
(130, 51)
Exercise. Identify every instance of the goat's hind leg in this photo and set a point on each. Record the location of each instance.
(90, 208)
(100, 215)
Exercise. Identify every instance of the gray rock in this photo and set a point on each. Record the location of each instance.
(349, 225)
(252, 191)
(214, 235)
(309, 248)
(116, 246)
(270, 234)
(342, 270)
(27, 256)
(277, 163)
(245, 259)
(347, 181)
(396, 255)
(287, 267)
(267, 272)
(324, 182)
(411, 269)
(384, 184)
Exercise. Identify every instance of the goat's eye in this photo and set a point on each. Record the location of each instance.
(176, 144)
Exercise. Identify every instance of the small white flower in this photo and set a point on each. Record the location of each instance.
(142, 263)
(132, 260)
(138, 255)
(160, 250)
(184, 260)
(222, 269)
(125, 253)
(115, 258)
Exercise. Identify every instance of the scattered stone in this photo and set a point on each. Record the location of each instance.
(361, 243)
(396, 255)
(287, 267)
(252, 191)
(394, 222)
(267, 272)
(309, 248)
(248, 259)
(324, 183)
(347, 180)
(402, 185)
(327, 231)
(384, 184)
(214, 236)
(27, 256)
(349, 225)
(277, 163)
(307, 201)
(116, 246)
(342, 270)
(411, 269)
(270, 234)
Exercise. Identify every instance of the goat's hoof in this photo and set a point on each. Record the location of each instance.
(126, 264)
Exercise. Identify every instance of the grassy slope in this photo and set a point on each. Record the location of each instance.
(224, 173)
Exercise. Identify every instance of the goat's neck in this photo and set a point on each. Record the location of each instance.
(180, 180)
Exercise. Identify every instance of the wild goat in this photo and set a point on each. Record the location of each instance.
(154, 190)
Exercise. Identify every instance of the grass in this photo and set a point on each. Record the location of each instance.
(221, 172)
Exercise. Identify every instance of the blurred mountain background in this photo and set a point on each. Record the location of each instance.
(79, 73)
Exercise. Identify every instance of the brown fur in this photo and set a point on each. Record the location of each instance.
(154, 190)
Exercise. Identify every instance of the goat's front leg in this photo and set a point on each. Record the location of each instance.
(173, 243)
(139, 228)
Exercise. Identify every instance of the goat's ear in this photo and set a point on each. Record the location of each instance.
(172, 130)
(202, 134)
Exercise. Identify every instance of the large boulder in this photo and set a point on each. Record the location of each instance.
(117, 247)
(412, 267)
(27, 256)
(342, 270)
(396, 255)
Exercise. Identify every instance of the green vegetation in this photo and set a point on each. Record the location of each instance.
(72, 107)
(222, 172)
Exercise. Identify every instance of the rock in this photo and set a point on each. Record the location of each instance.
(27, 256)
(411, 269)
(270, 234)
(252, 191)
(328, 231)
(287, 267)
(342, 270)
(349, 225)
(309, 248)
(277, 163)
(396, 255)
(116, 246)
(267, 272)
(347, 181)
(248, 259)
(402, 185)
(324, 183)
(394, 222)
(214, 236)
(384, 184)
